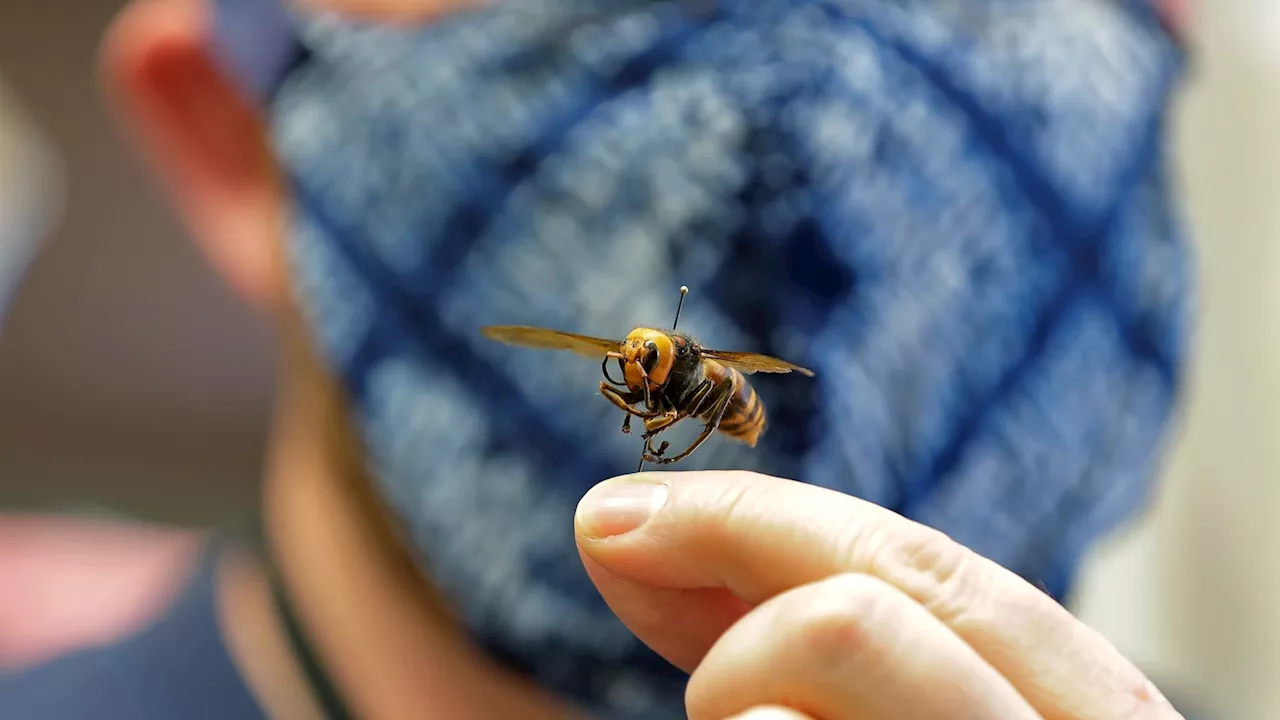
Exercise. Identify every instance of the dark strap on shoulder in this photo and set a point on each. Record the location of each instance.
(332, 705)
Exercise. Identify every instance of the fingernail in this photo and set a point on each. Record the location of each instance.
(619, 506)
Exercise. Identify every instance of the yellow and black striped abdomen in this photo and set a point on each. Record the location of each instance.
(744, 420)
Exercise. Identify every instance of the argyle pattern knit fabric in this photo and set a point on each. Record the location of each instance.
(956, 212)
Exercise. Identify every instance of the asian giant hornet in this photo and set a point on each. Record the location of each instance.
(672, 375)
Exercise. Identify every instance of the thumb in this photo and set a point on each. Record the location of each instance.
(653, 544)
(680, 556)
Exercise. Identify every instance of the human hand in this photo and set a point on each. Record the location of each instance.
(787, 600)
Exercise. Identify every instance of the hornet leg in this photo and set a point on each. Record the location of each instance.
(623, 401)
(720, 397)
(697, 399)
(658, 423)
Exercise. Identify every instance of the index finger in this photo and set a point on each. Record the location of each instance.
(758, 536)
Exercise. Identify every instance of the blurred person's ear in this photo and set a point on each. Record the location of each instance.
(202, 136)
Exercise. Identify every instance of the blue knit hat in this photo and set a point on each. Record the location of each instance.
(956, 212)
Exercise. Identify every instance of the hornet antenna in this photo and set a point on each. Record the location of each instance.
(684, 290)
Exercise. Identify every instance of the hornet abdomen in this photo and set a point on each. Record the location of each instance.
(744, 419)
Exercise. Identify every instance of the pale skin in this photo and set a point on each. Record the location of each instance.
(783, 600)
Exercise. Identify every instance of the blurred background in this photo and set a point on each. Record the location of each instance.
(129, 377)
(131, 381)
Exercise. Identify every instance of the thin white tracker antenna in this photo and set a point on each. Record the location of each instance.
(684, 290)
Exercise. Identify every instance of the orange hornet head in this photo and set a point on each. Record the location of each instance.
(646, 355)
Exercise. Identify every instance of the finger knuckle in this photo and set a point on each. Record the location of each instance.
(940, 573)
(842, 620)
(720, 507)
